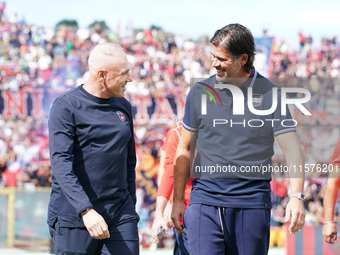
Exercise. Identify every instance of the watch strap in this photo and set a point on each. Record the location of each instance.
(300, 196)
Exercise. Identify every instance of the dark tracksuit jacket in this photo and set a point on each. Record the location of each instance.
(93, 159)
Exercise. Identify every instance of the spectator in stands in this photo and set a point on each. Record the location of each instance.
(301, 41)
(278, 216)
(42, 177)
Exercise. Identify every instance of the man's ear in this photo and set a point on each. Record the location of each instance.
(243, 59)
(101, 74)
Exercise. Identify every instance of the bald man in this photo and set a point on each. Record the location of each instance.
(92, 204)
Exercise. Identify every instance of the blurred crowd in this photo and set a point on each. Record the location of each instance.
(55, 60)
(307, 62)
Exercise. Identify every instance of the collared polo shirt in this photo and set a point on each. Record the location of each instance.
(234, 149)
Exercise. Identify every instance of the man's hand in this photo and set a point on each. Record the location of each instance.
(95, 224)
(178, 210)
(295, 212)
(167, 215)
(157, 223)
(329, 232)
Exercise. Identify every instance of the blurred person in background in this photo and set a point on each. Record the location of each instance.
(162, 217)
(42, 177)
(92, 204)
(330, 230)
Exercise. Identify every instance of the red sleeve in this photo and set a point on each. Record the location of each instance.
(335, 160)
(167, 183)
(167, 135)
(166, 140)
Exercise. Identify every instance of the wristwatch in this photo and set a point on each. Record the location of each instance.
(300, 196)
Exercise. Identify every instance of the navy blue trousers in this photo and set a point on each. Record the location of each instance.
(181, 246)
(123, 240)
(227, 231)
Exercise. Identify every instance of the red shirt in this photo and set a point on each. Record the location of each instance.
(10, 174)
(335, 159)
(177, 124)
(167, 182)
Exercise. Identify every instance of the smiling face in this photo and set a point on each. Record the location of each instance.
(116, 77)
(227, 67)
(109, 71)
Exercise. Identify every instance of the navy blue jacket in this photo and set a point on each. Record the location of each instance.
(93, 158)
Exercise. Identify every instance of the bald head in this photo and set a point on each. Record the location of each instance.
(109, 71)
(103, 56)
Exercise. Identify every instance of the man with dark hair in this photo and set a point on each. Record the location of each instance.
(237, 40)
(92, 204)
(229, 209)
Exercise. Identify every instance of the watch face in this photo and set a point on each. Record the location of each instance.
(302, 197)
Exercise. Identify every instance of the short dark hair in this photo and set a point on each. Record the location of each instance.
(237, 40)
